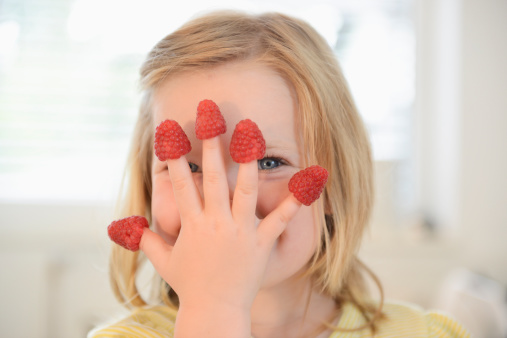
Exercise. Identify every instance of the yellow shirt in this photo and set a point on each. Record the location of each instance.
(401, 321)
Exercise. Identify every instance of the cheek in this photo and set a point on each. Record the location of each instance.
(301, 234)
(299, 240)
(271, 193)
(165, 214)
(294, 248)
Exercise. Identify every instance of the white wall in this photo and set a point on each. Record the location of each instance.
(483, 179)
(462, 127)
(53, 262)
(461, 161)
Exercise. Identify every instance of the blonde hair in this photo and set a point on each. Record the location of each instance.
(333, 136)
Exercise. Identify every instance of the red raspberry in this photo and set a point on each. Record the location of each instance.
(127, 232)
(171, 142)
(247, 143)
(307, 184)
(209, 122)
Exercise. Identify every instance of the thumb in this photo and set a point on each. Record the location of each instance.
(156, 249)
(275, 223)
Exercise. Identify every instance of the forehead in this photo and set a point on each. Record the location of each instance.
(241, 90)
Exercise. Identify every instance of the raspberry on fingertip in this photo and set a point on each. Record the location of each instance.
(209, 121)
(171, 142)
(307, 185)
(247, 143)
(127, 232)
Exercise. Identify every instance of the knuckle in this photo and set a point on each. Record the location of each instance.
(246, 189)
(283, 219)
(179, 183)
(210, 145)
(213, 177)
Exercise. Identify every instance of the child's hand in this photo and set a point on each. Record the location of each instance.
(218, 261)
(221, 252)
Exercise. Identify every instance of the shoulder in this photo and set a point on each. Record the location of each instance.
(403, 316)
(155, 321)
(401, 320)
(441, 325)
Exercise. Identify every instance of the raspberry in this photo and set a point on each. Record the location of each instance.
(210, 121)
(127, 232)
(307, 184)
(247, 143)
(171, 142)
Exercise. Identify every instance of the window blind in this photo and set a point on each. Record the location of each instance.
(69, 71)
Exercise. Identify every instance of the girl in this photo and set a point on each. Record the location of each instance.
(237, 254)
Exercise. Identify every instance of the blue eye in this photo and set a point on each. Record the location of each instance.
(268, 163)
(193, 167)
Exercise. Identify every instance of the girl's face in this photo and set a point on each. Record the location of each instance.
(242, 90)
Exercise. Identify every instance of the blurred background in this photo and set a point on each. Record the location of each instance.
(429, 77)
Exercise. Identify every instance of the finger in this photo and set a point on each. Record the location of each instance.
(185, 191)
(215, 188)
(245, 193)
(157, 250)
(275, 223)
